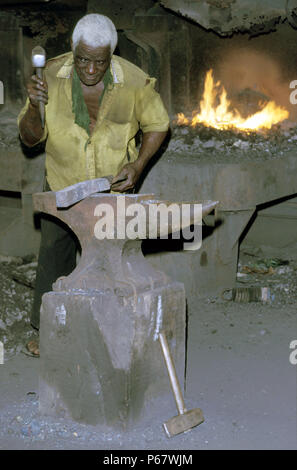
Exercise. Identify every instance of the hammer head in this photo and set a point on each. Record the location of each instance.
(183, 422)
(38, 57)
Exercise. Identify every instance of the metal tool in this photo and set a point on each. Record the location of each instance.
(76, 192)
(185, 420)
(38, 62)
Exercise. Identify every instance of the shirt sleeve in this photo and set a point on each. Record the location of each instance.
(150, 111)
(20, 117)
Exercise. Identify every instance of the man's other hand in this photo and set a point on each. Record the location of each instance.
(127, 178)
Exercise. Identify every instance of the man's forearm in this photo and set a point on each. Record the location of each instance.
(151, 142)
(130, 173)
(30, 126)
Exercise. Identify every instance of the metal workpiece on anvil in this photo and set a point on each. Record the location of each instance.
(100, 358)
(72, 194)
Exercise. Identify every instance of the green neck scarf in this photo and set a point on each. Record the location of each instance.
(79, 107)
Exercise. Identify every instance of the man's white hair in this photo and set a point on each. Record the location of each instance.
(95, 30)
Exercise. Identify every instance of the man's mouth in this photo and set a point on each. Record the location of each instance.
(91, 78)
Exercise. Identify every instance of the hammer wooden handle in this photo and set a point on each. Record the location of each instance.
(39, 73)
(172, 374)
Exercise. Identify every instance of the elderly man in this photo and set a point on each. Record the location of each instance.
(96, 102)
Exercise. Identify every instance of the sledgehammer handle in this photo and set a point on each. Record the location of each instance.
(39, 73)
(172, 374)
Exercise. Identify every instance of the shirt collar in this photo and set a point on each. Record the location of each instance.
(66, 69)
(117, 71)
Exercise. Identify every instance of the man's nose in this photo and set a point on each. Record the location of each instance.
(91, 69)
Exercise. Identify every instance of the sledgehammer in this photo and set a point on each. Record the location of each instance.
(38, 62)
(185, 420)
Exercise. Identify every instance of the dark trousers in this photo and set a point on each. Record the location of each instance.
(57, 257)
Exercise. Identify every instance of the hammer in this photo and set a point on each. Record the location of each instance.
(185, 420)
(38, 62)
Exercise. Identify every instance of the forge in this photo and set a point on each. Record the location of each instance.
(241, 152)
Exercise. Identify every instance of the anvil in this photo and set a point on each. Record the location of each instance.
(100, 361)
(105, 262)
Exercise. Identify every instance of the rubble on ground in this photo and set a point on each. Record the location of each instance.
(279, 275)
(16, 299)
(9, 134)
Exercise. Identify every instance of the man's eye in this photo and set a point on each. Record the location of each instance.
(81, 59)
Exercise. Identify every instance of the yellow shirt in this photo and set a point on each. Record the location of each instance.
(129, 105)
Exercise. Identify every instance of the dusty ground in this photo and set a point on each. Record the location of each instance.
(239, 372)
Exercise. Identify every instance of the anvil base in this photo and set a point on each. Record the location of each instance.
(100, 358)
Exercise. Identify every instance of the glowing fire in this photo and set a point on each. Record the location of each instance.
(221, 117)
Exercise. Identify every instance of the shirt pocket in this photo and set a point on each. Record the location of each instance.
(117, 135)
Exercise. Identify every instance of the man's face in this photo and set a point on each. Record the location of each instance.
(91, 63)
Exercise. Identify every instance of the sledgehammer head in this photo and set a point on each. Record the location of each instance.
(38, 57)
(183, 422)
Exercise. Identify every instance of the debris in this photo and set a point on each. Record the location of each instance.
(35, 427)
(264, 266)
(26, 274)
(284, 270)
(33, 348)
(241, 144)
(209, 144)
(31, 429)
(255, 269)
(248, 294)
(276, 273)
(16, 302)
(11, 259)
(231, 145)
(25, 430)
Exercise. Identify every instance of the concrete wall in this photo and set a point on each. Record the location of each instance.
(11, 61)
(228, 16)
(274, 230)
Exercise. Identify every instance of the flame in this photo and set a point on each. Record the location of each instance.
(221, 117)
